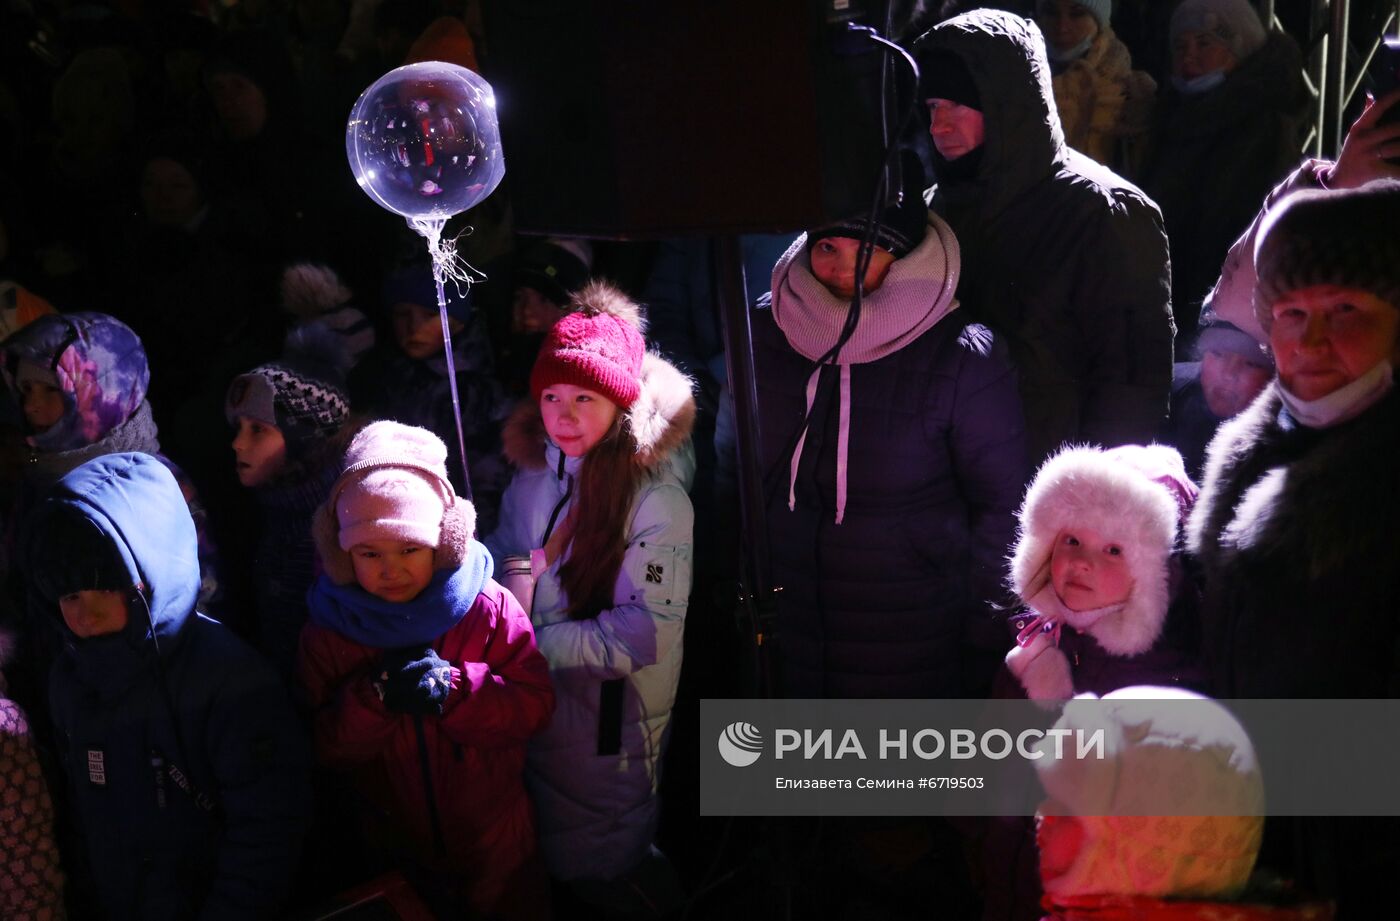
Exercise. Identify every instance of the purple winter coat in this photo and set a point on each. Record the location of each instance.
(892, 602)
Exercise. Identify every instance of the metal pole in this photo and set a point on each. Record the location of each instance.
(738, 352)
(1334, 91)
(1317, 68)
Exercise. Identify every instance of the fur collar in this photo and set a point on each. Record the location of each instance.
(1327, 499)
(660, 421)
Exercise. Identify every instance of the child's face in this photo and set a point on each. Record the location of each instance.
(1089, 570)
(418, 330)
(393, 570)
(1066, 23)
(170, 196)
(240, 105)
(1230, 382)
(42, 403)
(259, 452)
(94, 613)
(834, 265)
(576, 419)
(532, 312)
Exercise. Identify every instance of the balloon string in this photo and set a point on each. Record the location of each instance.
(448, 265)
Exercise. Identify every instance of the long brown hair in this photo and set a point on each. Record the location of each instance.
(607, 485)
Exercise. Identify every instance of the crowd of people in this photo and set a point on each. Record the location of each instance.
(308, 588)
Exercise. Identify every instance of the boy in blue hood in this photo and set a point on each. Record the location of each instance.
(186, 768)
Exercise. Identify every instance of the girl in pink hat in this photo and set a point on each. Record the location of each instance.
(600, 522)
(423, 675)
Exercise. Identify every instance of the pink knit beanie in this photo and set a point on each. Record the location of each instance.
(394, 486)
(598, 347)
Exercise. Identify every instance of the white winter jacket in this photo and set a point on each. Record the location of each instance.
(593, 771)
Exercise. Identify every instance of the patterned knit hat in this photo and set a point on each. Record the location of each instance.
(901, 226)
(299, 395)
(1234, 22)
(598, 347)
(1344, 237)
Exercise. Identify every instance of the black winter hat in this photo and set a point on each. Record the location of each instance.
(901, 226)
(66, 553)
(1346, 237)
(944, 75)
(415, 284)
(555, 271)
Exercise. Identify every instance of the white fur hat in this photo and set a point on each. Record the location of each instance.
(1136, 495)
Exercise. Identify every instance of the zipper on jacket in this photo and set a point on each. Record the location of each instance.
(554, 515)
(429, 796)
(158, 767)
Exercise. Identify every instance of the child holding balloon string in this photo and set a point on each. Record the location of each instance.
(409, 380)
(597, 527)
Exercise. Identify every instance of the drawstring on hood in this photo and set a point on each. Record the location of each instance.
(892, 316)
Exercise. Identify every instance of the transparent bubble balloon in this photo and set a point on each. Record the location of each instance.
(423, 141)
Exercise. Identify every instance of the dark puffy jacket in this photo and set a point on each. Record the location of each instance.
(1295, 533)
(1061, 256)
(892, 601)
(1191, 425)
(1294, 530)
(284, 564)
(173, 694)
(1213, 158)
(390, 385)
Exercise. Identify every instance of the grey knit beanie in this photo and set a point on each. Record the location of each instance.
(1345, 237)
(1234, 22)
(1101, 10)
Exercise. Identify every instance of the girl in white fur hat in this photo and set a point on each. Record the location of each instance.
(1107, 605)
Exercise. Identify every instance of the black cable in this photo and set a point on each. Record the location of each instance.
(708, 883)
(867, 243)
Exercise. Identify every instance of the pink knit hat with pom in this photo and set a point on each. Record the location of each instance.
(598, 347)
(394, 486)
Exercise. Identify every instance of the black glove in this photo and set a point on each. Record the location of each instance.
(415, 680)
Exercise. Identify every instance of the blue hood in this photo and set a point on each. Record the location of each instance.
(136, 505)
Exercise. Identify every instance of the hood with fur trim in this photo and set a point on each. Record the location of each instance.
(1086, 487)
(660, 421)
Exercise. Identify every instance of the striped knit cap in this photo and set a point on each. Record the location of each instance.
(304, 409)
(598, 347)
(1345, 237)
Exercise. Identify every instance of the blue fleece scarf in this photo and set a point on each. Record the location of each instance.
(359, 616)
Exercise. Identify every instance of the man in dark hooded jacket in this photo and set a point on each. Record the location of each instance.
(1061, 256)
(187, 770)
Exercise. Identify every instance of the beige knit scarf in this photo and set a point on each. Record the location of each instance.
(917, 292)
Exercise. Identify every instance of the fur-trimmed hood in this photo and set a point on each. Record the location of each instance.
(1087, 487)
(660, 421)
